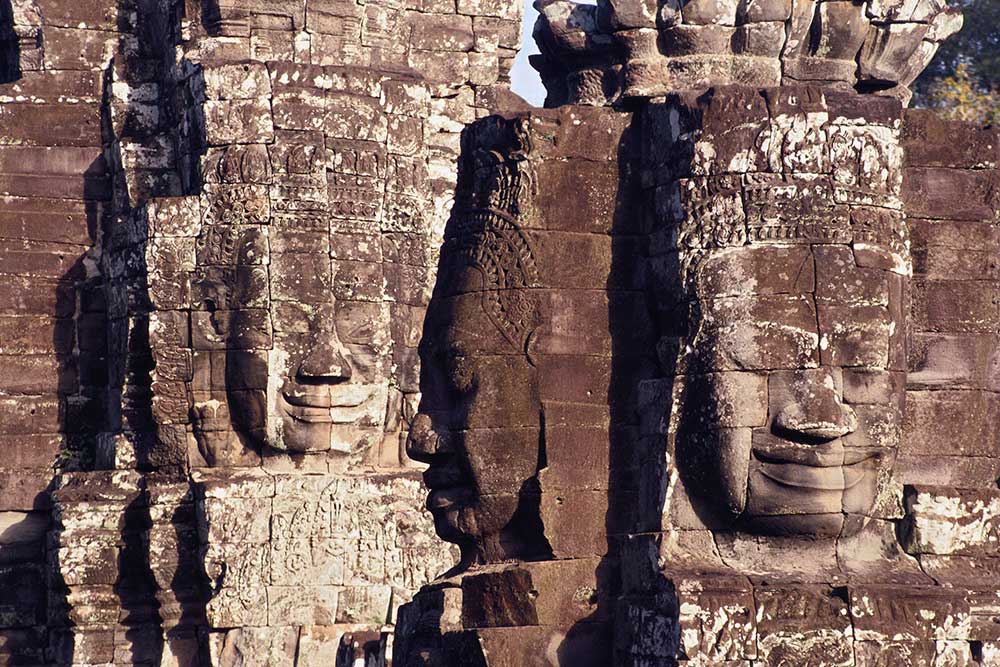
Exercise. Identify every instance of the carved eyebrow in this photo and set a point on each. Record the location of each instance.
(438, 346)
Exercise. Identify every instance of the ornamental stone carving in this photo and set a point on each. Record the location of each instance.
(700, 369)
(757, 476)
(625, 49)
(782, 285)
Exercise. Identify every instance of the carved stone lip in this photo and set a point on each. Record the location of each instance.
(827, 455)
(442, 499)
(447, 485)
(325, 395)
(309, 415)
(815, 478)
(307, 396)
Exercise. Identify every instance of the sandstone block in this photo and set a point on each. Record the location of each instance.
(234, 81)
(951, 521)
(301, 605)
(73, 48)
(440, 32)
(255, 647)
(932, 141)
(238, 121)
(50, 125)
(236, 520)
(949, 423)
(916, 615)
(933, 192)
(365, 604)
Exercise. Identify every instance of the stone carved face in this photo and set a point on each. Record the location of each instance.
(793, 400)
(790, 364)
(478, 422)
(477, 426)
(320, 386)
(329, 388)
(280, 361)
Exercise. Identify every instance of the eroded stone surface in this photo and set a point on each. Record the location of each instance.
(708, 382)
(626, 49)
(768, 510)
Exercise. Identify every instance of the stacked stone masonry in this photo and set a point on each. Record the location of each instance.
(763, 440)
(700, 369)
(194, 195)
(628, 49)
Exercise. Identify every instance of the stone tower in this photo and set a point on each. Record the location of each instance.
(697, 368)
(691, 384)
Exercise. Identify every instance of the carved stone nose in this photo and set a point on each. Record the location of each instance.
(824, 418)
(424, 443)
(421, 442)
(325, 361)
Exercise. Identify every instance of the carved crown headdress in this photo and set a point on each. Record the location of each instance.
(495, 190)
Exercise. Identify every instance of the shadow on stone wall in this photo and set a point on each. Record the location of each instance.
(109, 480)
(637, 472)
(80, 341)
(211, 17)
(10, 49)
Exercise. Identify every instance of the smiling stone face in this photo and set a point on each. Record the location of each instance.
(786, 335)
(290, 328)
(795, 386)
(321, 386)
(330, 388)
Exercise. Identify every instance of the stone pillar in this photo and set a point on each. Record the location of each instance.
(156, 157)
(534, 334)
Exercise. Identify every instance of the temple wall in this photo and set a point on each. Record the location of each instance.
(917, 584)
(658, 328)
(178, 182)
(56, 193)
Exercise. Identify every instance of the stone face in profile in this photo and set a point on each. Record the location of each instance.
(524, 405)
(516, 353)
(478, 422)
(783, 295)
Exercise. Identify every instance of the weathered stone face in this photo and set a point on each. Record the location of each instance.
(793, 407)
(479, 420)
(786, 313)
(300, 369)
(533, 341)
(519, 370)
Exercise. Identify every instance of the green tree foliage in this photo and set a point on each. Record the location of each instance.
(963, 96)
(964, 77)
